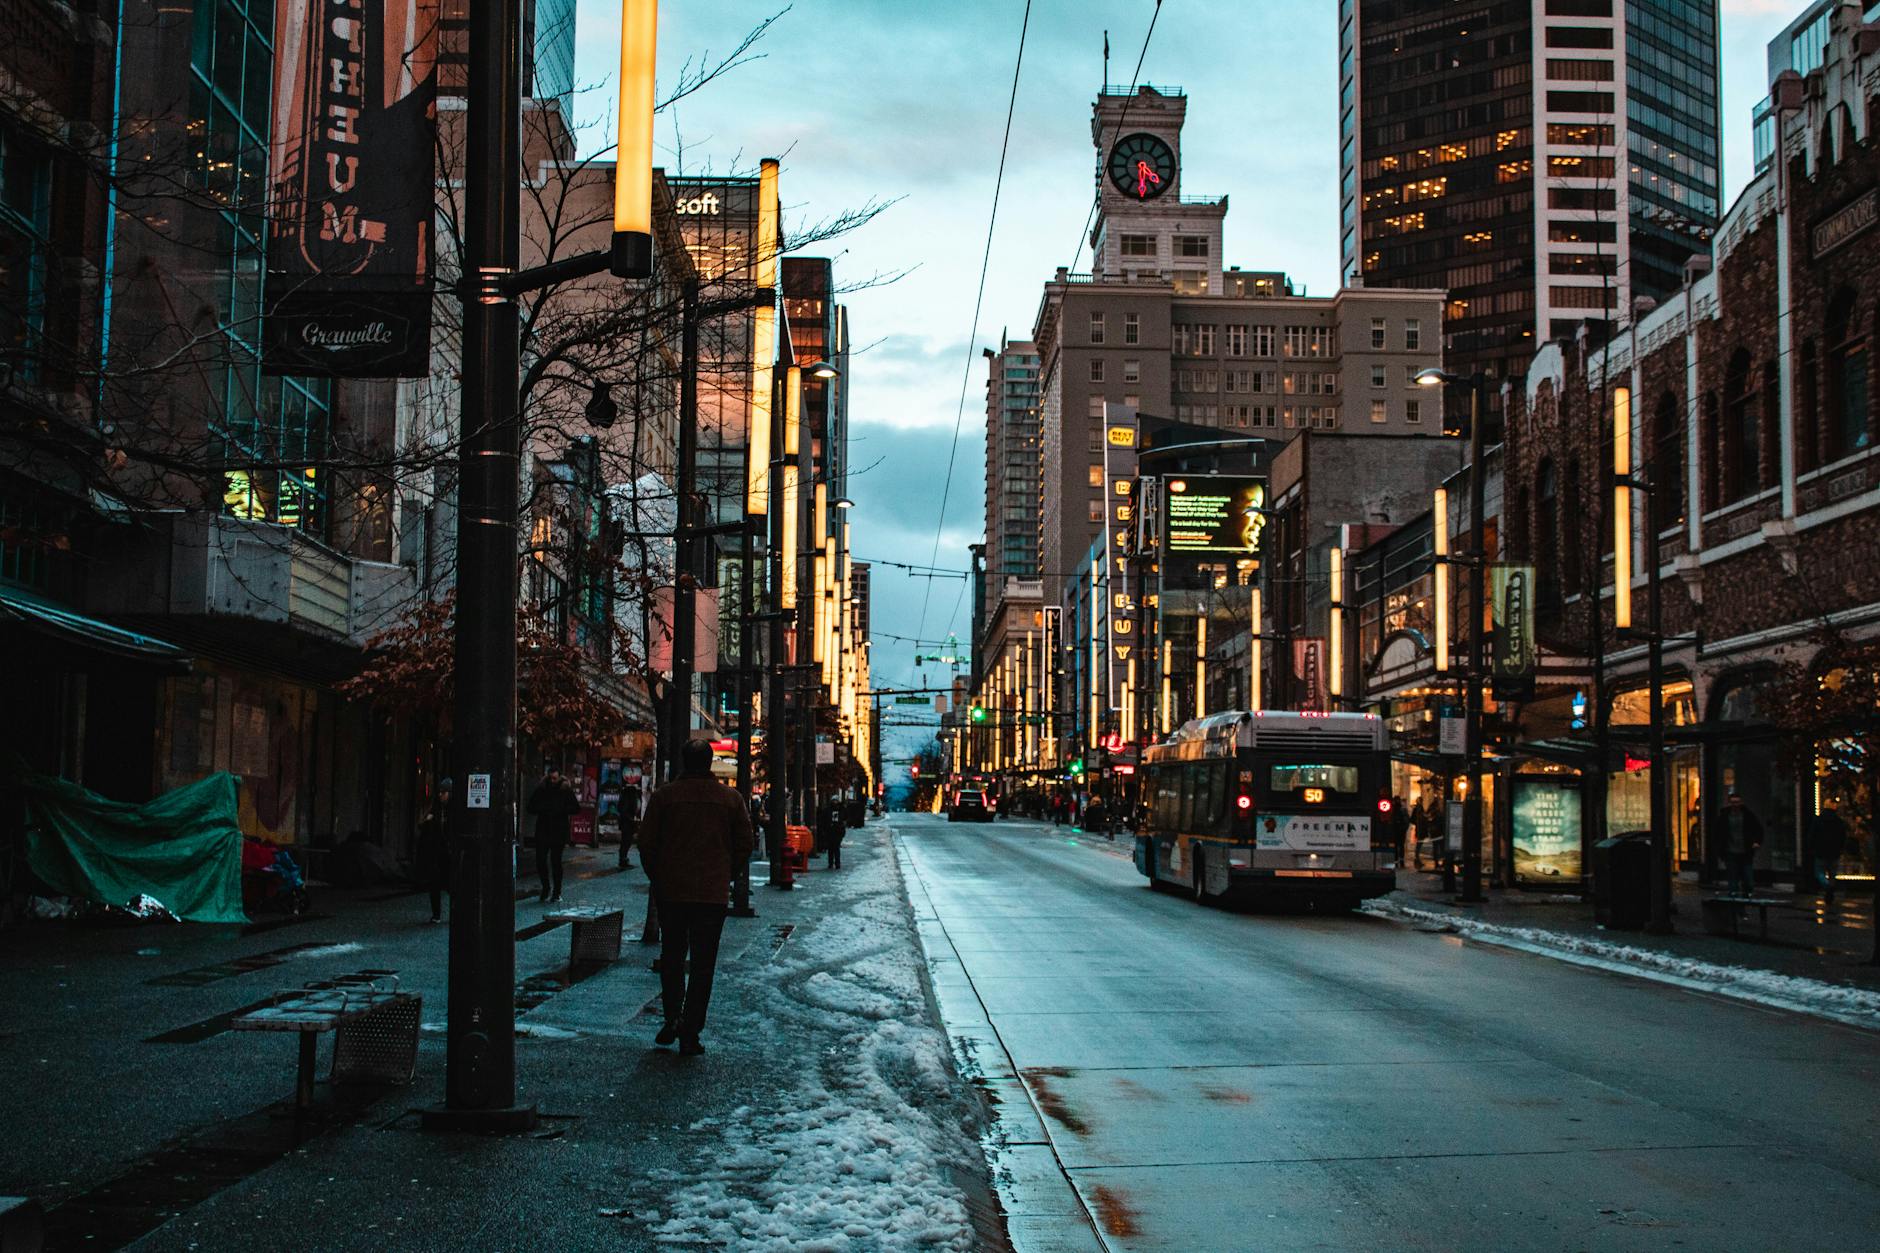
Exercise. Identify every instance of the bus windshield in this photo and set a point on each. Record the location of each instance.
(1331, 780)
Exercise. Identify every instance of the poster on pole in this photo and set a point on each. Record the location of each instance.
(1511, 594)
(351, 195)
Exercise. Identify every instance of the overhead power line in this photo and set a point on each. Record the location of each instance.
(972, 339)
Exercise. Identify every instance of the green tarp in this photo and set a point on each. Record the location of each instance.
(183, 849)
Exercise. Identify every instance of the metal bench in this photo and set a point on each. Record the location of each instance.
(375, 1030)
(594, 933)
(1723, 915)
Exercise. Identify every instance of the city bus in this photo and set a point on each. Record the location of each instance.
(1270, 808)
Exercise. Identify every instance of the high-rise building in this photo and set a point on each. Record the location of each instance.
(1544, 161)
(1011, 463)
(1160, 327)
(1803, 47)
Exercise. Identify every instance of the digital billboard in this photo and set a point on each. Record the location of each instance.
(1213, 514)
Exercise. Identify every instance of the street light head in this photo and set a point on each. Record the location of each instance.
(822, 370)
(843, 502)
(1434, 377)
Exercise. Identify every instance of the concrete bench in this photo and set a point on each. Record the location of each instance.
(375, 1031)
(1724, 915)
(594, 933)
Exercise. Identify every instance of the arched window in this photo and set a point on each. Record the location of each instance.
(1666, 456)
(1738, 445)
(1845, 425)
(1546, 535)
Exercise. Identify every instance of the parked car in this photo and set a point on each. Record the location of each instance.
(970, 805)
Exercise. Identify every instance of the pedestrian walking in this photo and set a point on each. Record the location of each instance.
(1399, 825)
(695, 835)
(553, 803)
(1740, 833)
(433, 860)
(628, 818)
(1827, 840)
(834, 827)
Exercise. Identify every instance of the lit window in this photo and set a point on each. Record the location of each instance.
(1380, 411)
(1096, 476)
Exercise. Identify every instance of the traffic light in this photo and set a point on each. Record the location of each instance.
(914, 770)
(978, 713)
(1076, 767)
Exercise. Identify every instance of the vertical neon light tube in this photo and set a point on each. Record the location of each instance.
(1168, 685)
(1201, 666)
(763, 347)
(1337, 683)
(1256, 650)
(1622, 508)
(1439, 525)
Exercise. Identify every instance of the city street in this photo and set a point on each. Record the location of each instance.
(1219, 1080)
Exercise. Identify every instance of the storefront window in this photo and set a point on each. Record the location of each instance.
(1750, 764)
(1628, 793)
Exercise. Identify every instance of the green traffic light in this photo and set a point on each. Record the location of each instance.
(979, 713)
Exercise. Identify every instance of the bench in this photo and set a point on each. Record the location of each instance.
(1723, 915)
(594, 933)
(375, 1030)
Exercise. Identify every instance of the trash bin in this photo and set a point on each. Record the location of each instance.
(1622, 881)
(797, 844)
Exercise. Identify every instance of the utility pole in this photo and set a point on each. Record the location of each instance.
(1478, 654)
(684, 564)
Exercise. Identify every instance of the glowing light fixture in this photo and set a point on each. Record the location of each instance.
(632, 250)
(1439, 524)
(763, 348)
(1255, 656)
(1622, 508)
(1337, 677)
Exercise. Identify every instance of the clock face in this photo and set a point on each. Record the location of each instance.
(1142, 166)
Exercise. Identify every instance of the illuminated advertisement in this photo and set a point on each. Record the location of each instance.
(1214, 513)
(1546, 822)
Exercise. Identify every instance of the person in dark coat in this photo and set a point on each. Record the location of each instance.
(433, 859)
(1739, 833)
(553, 803)
(628, 818)
(1827, 840)
(834, 825)
(695, 835)
(1399, 825)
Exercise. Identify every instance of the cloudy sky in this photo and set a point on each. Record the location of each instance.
(905, 100)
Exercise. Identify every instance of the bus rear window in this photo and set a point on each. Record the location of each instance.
(1329, 779)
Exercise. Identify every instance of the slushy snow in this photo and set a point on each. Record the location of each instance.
(861, 1152)
(1843, 1003)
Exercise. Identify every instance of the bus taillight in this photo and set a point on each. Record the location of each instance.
(1243, 802)
(1383, 804)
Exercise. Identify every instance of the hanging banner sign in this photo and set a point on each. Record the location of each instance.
(351, 193)
(1309, 669)
(1511, 596)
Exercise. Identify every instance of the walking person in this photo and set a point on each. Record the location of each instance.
(628, 817)
(1827, 840)
(553, 803)
(1740, 833)
(1399, 825)
(433, 860)
(695, 835)
(834, 827)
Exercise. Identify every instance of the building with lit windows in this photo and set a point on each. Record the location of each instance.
(1544, 161)
(1011, 463)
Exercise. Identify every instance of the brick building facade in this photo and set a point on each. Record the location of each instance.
(1753, 413)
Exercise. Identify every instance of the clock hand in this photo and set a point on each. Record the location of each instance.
(1145, 176)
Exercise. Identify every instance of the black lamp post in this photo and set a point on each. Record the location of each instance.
(1477, 562)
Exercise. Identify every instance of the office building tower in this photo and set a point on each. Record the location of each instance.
(1012, 483)
(1544, 162)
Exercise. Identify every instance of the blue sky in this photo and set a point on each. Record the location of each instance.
(887, 99)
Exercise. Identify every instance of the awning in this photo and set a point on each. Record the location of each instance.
(76, 631)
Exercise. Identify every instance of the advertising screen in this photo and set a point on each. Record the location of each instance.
(1546, 817)
(1214, 514)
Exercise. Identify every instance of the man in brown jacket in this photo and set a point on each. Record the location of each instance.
(695, 835)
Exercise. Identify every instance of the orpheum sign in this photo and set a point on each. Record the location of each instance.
(1846, 223)
(350, 234)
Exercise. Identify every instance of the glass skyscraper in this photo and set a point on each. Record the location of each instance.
(1543, 161)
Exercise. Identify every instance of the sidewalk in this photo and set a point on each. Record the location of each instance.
(1814, 961)
(825, 1112)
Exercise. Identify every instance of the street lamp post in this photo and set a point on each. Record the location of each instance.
(480, 1052)
(1477, 560)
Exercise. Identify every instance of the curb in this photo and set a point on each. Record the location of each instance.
(1849, 1006)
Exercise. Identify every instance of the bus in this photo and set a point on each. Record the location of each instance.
(1270, 808)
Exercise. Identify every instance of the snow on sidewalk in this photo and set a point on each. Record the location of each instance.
(861, 1150)
(1858, 1007)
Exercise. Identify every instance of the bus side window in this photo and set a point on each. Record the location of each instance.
(1217, 796)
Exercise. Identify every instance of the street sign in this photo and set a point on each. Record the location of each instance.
(910, 700)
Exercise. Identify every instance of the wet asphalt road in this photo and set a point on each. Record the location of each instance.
(1214, 1080)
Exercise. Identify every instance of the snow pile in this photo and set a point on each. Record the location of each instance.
(860, 1152)
(1841, 1002)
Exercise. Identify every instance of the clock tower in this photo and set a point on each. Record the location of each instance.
(1144, 227)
